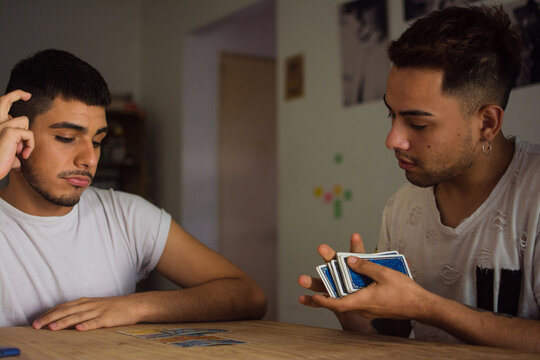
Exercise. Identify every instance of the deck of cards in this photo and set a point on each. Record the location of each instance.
(340, 280)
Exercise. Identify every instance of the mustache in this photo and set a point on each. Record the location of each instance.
(402, 155)
(65, 174)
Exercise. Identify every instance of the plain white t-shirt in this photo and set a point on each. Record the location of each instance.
(107, 243)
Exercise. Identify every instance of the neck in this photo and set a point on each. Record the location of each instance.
(458, 198)
(19, 194)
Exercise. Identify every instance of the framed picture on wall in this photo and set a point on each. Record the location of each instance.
(418, 8)
(294, 77)
(526, 15)
(364, 37)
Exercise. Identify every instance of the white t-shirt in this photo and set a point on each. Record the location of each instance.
(490, 260)
(102, 247)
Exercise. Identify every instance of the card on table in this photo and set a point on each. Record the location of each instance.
(183, 337)
(192, 331)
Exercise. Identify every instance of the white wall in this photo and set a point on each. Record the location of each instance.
(314, 128)
(106, 34)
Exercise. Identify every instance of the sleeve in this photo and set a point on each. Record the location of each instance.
(147, 229)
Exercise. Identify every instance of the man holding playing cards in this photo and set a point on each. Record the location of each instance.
(71, 254)
(468, 222)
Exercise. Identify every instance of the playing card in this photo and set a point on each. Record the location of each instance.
(328, 281)
(192, 331)
(354, 281)
(337, 277)
(146, 333)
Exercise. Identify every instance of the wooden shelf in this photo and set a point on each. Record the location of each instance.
(122, 165)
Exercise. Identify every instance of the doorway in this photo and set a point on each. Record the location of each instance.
(248, 168)
(209, 206)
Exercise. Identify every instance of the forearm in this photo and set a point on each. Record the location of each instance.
(478, 327)
(217, 300)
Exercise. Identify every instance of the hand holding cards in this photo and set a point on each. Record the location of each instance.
(340, 280)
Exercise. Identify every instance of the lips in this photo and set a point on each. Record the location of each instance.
(79, 181)
(405, 164)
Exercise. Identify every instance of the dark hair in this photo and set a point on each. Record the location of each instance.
(476, 47)
(51, 73)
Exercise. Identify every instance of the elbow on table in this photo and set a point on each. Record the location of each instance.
(255, 302)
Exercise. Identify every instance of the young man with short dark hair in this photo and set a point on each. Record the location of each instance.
(469, 221)
(71, 254)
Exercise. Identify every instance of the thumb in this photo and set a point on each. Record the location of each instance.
(365, 267)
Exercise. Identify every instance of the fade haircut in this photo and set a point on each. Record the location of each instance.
(476, 47)
(51, 73)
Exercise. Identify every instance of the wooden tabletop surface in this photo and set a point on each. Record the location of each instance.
(264, 340)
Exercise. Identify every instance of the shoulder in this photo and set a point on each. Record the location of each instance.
(408, 192)
(111, 196)
(525, 170)
(117, 201)
(527, 154)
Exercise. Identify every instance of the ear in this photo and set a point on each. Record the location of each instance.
(492, 119)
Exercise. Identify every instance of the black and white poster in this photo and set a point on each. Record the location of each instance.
(364, 37)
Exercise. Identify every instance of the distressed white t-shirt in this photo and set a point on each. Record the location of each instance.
(491, 260)
(102, 247)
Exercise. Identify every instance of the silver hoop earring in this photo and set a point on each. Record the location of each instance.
(487, 150)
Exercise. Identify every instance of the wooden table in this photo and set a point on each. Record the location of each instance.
(265, 340)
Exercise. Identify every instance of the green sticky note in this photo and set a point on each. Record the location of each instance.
(338, 213)
(347, 194)
(338, 158)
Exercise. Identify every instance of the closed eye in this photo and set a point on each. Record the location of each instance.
(418, 127)
(63, 139)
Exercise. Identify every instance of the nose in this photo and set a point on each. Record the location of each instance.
(87, 155)
(397, 138)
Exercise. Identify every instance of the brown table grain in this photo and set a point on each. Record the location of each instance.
(265, 340)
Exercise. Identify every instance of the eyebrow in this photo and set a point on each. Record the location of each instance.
(72, 126)
(408, 112)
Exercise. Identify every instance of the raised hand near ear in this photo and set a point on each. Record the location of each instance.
(15, 138)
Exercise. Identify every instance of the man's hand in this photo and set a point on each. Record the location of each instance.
(392, 295)
(93, 313)
(327, 253)
(349, 320)
(15, 138)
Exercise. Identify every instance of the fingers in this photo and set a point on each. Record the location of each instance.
(8, 99)
(357, 245)
(313, 284)
(13, 142)
(308, 301)
(66, 315)
(326, 252)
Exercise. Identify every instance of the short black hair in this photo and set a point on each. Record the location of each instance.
(476, 47)
(51, 73)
